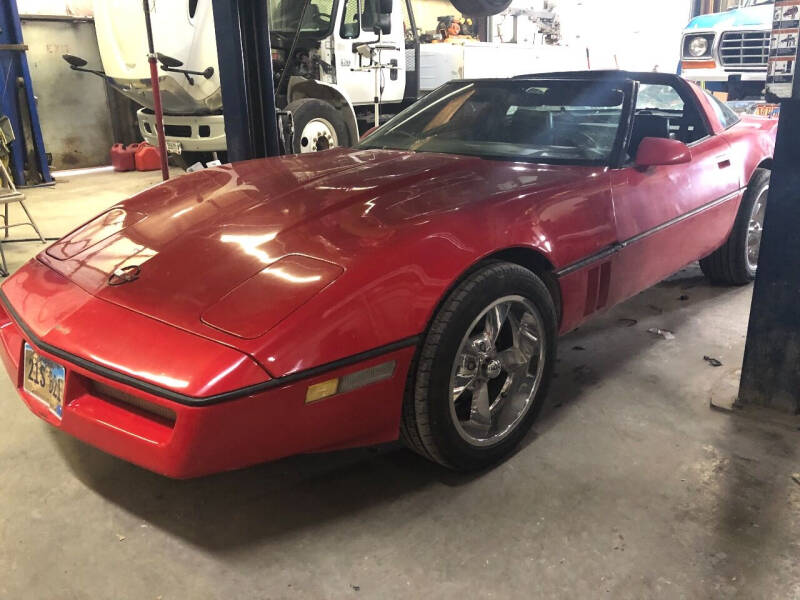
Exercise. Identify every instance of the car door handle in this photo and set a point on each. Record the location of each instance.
(723, 162)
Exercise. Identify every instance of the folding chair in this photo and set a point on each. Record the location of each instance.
(9, 194)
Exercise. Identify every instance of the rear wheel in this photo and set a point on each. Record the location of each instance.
(483, 369)
(736, 261)
(318, 126)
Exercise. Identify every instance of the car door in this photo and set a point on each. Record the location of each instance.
(668, 216)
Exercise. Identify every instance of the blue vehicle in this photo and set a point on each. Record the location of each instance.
(728, 51)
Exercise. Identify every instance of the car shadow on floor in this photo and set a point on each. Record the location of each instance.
(590, 355)
(238, 509)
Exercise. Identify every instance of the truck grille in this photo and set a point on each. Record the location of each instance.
(744, 49)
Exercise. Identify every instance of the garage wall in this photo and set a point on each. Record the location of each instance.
(75, 8)
(73, 107)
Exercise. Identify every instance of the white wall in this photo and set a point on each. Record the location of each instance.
(427, 13)
(643, 34)
(80, 8)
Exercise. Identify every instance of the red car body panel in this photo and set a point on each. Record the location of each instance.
(259, 279)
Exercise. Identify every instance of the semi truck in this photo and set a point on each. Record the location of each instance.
(331, 59)
(728, 51)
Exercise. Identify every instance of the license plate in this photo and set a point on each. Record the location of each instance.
(44, 380)
(174, 147)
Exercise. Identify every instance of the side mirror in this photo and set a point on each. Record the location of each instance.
(76, 62)
(385, 7)
(174, 65)
(655, 152)
(168, 61)
(384, 24)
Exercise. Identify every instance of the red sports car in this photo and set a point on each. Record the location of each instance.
(413, 287)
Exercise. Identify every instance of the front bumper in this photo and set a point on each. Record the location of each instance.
(205, 133)
(180, 439)
(719, 75)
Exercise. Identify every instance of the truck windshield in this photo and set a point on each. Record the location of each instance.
(285, 14)
(554, 122)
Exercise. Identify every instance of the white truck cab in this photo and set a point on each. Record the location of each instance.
(341, 64)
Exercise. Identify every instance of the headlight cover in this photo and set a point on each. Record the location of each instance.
(698, 46)
(258, 304)
(95, 231)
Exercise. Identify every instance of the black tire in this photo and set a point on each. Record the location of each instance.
(306, 110)
(729, 264)
(480, 8)
(427, 425)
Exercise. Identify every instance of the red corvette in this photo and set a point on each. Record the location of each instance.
(411, 287)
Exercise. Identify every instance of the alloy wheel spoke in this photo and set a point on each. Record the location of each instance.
(495, 319)
(461, 383)
(465, 374)
(513, 359)
(527, 341)
(480, 415)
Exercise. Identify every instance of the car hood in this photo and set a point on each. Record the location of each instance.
(228, 252)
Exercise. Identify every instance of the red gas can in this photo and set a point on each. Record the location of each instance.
(148, 158)
(122, 158)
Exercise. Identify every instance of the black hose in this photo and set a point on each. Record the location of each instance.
(148, 26)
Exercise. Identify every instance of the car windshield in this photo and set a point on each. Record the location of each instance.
(285, 14)
(573, 122)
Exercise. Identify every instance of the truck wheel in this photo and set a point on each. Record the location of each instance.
(480, 8)
(735, 262)
(317, 126)
(482, 372)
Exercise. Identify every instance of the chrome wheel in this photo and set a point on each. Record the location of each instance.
(318, 134)
(497, 371)
(755, 229)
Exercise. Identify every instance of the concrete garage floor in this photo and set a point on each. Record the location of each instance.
(630, 486)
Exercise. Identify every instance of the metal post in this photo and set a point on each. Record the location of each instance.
(771, 369)
(151, 58)
(248, 87)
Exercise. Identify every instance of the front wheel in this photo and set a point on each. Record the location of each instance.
(736, 261)
(318, 126)
(483, 369)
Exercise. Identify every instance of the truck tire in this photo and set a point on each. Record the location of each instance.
(480, 8)
(735, 262)
(317, 126)
(482, 372)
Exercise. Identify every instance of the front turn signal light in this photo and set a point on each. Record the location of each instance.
(350, 382)
(319, 391)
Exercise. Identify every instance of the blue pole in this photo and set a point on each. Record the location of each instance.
(14, 69)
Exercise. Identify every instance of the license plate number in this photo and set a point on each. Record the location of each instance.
(174, 147)
(44, 380)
